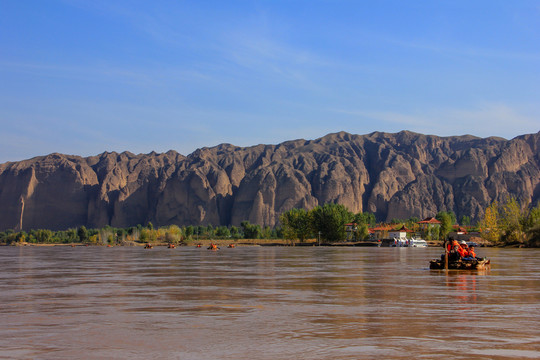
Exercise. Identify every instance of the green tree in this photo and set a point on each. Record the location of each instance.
(452, 217)
(365, 218)
(121, 235)
(533, 236)
(465, 220)
(82, 233)
(209, 231)
(199, 230)
(266, 232)
(446, 223)
(72, 235)
(235, 232)
(532, 221)
(11, 237)
(143, 236)
(223, 232)
(21, 237)
(189, 231)
(296, 224)
(362, 232)
(434, 232)
(251, 231)
(148, 235)
(44, 236)
(330, 220)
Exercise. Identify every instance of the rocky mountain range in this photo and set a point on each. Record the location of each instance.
(392, 175)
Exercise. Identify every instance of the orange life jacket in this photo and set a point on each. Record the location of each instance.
(461, 251)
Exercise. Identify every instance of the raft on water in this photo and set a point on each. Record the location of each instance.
(461, 264)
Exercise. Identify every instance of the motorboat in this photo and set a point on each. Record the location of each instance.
(404, 242)
(418, 243)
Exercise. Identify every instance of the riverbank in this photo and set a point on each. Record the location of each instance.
(253, 242)
(234, 242)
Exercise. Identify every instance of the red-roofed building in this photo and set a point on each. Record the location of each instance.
(400, 232)
(430, 220)
(429, 227)
(385, 231)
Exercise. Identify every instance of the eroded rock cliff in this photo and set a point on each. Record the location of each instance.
(393, 175)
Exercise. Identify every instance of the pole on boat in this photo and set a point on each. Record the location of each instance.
(445, 255)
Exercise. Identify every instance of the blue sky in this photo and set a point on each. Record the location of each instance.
(82, 77)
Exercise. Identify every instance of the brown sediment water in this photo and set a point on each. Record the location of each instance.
(265, 303)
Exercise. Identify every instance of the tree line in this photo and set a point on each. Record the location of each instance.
(511, 223)
(108, 235)
(327, 223)
(504, 223)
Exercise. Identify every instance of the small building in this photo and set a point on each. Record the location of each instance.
(399, 233)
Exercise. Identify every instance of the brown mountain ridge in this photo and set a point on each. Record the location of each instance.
(393, 175)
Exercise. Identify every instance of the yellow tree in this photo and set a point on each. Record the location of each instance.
(173, 234)
(511, 221)
(490, 224)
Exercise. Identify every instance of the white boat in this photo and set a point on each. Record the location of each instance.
(417, 243)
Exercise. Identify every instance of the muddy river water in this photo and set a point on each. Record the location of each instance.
(265, 303)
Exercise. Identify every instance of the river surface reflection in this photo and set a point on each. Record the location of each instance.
(265, 303)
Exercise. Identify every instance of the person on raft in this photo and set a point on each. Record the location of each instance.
(471, 255)
(457, 250)
(464, 249)
(460, 250)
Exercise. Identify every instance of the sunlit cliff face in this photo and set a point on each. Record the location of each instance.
(392, 175)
